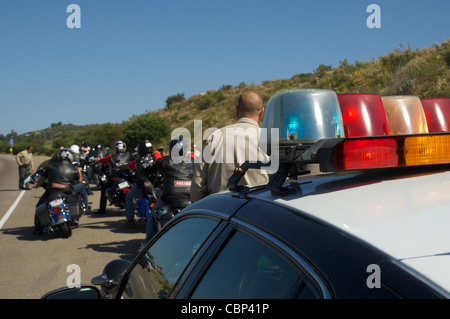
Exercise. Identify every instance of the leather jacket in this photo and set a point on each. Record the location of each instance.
(145, 170)
(177, 178)
(61, 175)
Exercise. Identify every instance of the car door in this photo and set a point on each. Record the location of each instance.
(249, 264)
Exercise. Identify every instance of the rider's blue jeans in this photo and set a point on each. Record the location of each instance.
(150, 230)
(135, 191)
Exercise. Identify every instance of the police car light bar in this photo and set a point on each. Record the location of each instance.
(353, 131)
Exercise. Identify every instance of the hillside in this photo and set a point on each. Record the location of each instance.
(421, 72)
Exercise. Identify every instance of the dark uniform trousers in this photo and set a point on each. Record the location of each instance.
(24, 172)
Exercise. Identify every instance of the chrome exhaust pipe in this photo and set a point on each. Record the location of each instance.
(50, 230)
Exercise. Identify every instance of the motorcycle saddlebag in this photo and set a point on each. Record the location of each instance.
(112, 195)
(74, 203)
(43, 215)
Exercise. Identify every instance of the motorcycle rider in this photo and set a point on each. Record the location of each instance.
(98, 169)
(60, 170)
(85, 151)
(78, 162)
(177, 179)
(113, 161)
(145, 169)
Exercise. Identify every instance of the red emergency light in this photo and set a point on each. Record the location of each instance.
(363, 114)
(437, 113)
(365, 153)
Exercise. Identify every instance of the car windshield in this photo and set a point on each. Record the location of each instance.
(160, 267)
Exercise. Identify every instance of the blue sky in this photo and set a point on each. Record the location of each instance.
(129, 56)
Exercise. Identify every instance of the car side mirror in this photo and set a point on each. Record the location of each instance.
(112, 274)
(82, 292)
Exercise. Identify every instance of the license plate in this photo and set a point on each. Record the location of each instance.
(123, 185)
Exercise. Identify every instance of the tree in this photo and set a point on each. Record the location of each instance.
(175, 99)
(146, 127)
(38, 145)
(322, 69)
(105, 135)
(53, 125)
(66, 140)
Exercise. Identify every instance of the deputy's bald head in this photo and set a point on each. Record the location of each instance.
(250, 105)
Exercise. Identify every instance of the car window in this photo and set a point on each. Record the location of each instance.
(246, 268)
(160, 267)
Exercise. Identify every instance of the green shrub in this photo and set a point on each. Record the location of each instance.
(175, 99)
(151, 127)
(210, 99)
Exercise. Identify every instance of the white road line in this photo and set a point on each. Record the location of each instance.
(11, 209)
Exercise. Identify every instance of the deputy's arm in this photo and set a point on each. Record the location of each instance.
(199, 186)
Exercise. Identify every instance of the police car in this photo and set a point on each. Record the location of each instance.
(359, 208)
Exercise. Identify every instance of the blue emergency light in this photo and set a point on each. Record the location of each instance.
(303, 116)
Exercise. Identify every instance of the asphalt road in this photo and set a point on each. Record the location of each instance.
(32, 265)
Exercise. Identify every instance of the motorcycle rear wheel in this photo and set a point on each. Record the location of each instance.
(66, 230)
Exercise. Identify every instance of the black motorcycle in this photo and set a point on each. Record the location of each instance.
(121, 186)
(62, 210)
(97, 172)
(143, 205)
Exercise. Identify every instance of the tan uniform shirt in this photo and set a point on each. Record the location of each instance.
(226, 150)
(25, 158)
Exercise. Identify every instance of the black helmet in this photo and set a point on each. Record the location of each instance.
(85, 148)
(120, 147)
(180, 145)
(144, 147)
(64, 155)
(97, 147)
